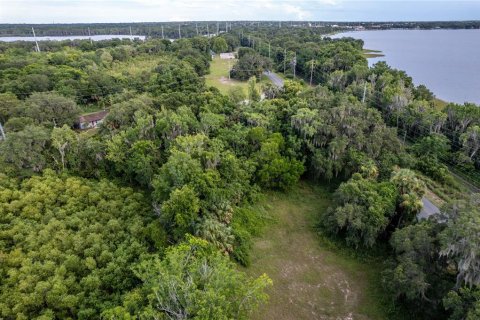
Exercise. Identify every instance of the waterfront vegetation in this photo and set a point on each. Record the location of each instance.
(192, 200)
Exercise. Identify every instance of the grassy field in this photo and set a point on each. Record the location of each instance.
(310, 281)
(218, 76)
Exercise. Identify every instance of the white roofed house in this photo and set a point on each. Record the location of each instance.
(91, 120)
(227, 55)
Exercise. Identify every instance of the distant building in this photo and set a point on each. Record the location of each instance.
(91, 120)
(227, 55)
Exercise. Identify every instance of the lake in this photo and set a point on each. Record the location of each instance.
(61, 38)
(446, 61)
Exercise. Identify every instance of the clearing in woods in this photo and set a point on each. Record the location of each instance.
(218, 76)
(310, 280)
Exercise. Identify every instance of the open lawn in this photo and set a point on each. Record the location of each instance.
(218, 76)
(310, 281)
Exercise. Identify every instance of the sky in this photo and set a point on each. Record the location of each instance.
(87, 11)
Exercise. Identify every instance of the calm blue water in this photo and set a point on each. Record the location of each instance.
(446, 61)
(61, 38)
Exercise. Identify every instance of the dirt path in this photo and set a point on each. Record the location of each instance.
(310, 282)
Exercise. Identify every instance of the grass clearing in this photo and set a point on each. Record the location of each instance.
(311, 280)
(218, 76)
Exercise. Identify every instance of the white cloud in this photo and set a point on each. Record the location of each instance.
(72, 11)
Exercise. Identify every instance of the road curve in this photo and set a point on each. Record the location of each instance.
(429, 209)
(275, 78)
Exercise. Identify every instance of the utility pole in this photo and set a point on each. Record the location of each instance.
(36, 42)
(208, 32)
(90, 36)
(196, 27)
(364, 92)
(218, 29)
(131, 35)
(229, 70)
(2, 132)
(311, 72)
(269, 50)
(295, 66)
(179, 32)
(163, 36)
(284, 60)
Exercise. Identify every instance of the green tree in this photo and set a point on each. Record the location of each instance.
(416, 250)
(249, 65)
(362, 210)
(253, 93)
(63, 140)
(8, 106)
(219, 45)
(24, 152)
(463, 304)
(434, 145)
(194, 281)
(410, 190)
(180, 212)
(471, 141)
(68, 245)
(460, 242)
(51, 109)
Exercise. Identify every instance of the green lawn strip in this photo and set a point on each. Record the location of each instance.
(312, 278)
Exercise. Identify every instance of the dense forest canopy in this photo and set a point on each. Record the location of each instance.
(147, 215)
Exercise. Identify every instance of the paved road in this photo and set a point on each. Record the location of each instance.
(275, 78)
(429, 209)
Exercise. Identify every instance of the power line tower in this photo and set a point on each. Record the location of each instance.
(2, 133)
(90, 36)
(311, 71)
(163, 36)
(36, 42)
(295, 66)
(218, 28)
(364, 92)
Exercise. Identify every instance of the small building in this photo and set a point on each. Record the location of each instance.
(227, 55)
(91, 120)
